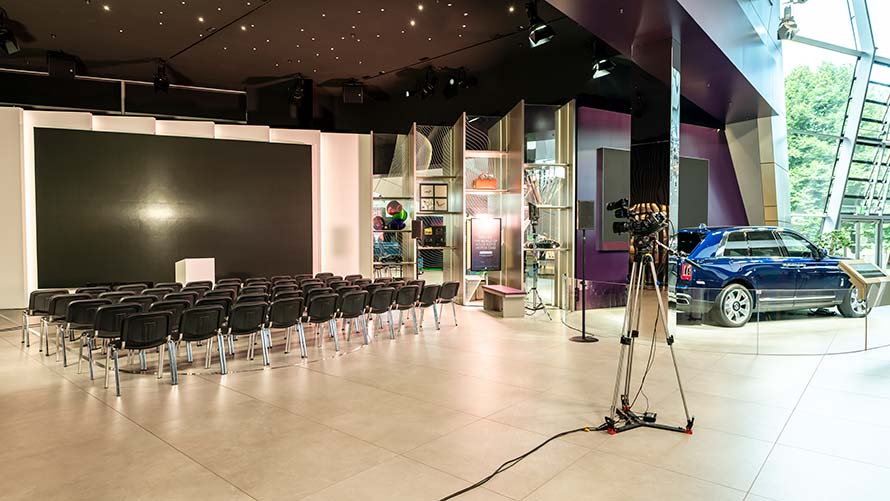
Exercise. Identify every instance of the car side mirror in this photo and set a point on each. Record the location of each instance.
(823, 253)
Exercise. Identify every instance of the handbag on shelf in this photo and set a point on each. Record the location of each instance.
(485, 182)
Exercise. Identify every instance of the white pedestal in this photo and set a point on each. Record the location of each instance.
(194, 269)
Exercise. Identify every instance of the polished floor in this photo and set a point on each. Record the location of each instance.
(421, 416)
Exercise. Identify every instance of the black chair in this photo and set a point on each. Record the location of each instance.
(79, 316)
(256, 281)
(303, 276)
(352, 308)
(447, 294)
(176, 286)
(224, 302)
(144, 301)
(204, 323)
(116, 296)
(335, 284)
(176, 307)
(107, 327)
(92, 291)
(250, 318)
(254, 289)
(229, 293)
(352, 278)
(191, 297)
(288, 314)
(361, 282)
(382, 280)
(158, 291)
(234, 288)
(38, 306)
(281, 286)
(406, 299)
(427, 299)
(252, 298)
(286, 295)
(58, 307)
(310, 285)
(420, 284)
(333, 278)
(323, 275)
(380, 303)
(200, 290)
(200, 283)
(279, 278)
(317, 292)
(322, 309)
(134, 288)
(372, 287)
(145, 331)
(229, 281)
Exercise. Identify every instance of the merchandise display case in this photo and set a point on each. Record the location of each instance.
(392, 205)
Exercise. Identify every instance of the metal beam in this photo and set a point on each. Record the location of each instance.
(858, 91)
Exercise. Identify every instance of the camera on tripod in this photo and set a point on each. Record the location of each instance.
(637, 224)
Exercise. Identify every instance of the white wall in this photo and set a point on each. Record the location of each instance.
(341, 173)
(13, 280)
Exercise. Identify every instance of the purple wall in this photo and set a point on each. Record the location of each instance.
(606, 129)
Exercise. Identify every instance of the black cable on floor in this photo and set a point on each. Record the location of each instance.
(513, 462)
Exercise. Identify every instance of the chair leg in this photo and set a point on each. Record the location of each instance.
(207, 353)
(143, 361)
(221, 346)
(265, 335)
(287, 339)
(392, 331)
(401, 321)
(232, 345)
(348, 330)
(304, 352)
(251, 339)
(435, 316)
(364, 326)
(25, 327)
(58, 340)
(83, 339)
(43, 335)
(454, 313)
(107, 355)
(332, 326)
(117, 373)
(90, 357)
(160, 361)
(171, 352)
(189, 357)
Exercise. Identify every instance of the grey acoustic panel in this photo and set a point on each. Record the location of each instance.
(614, 184)
(693, 193)
(586, 211)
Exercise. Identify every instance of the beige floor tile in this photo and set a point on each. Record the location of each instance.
(793, 474)
(866, 442)
(549, 414)
(840, 403)
(474, 451)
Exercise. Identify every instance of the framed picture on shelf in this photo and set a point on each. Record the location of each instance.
(433, 197)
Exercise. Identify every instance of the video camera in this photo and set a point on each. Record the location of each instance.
(638, 225)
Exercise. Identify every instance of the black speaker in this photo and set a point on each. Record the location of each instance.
(288, 103)
(416, 228)
(586, 213)
(61, 65)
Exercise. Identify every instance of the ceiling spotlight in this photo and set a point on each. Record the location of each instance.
(200, 19)
(161, 82)
(106, 8)
(420, 6)
(412, 22)
(539, 32)
(8, 43)
(243, 28)
(408, 93)
(511, 9)
(602, 68)
(788, 25)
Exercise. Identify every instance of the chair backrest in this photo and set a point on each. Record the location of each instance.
(347, 288)
(198, 289)
(254, 289)
(252, 298)
(191, 297)
(352, 278)
(286, 295)
(285, 283)
(176, 286)
(317, 292)
(229, 281)
(146, 330)
(246, 318)
(92, 291)
(381, 299)
(229, 293)
(135, 288)
(429, 295)
(38, 302)
(201, 322)
(322, 308)
(407, 295)
(257, 281)
(382, 280)
(448, 291)
(158, 291)
(323, 275)
(83, 311)
(311, 284)
(109, 319)
(282, 288)
(176, 307)
(352, 304)
(279, 278)
(200, 283)
(223, 302)
(373, 287)
(116, 296)
(285, 313)
(58, 305)
(419, 284)
(361, 282)
(332, 278)
(144, 301)
(335, 284)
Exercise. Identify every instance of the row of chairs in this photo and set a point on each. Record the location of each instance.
(146, 321)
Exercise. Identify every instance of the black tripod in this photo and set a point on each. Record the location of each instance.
(623, 418)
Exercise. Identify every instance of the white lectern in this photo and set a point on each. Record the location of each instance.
(196, 268)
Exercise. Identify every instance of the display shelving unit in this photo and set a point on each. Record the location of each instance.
(393, 251)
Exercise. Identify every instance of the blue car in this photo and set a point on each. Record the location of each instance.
(743, 270)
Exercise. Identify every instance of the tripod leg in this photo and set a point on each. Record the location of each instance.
(670, 342)
(639, 283)
(625, 337)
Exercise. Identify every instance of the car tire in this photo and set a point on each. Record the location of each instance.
(734, 306)
(852, 307)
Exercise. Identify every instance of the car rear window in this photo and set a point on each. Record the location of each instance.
(688, 241)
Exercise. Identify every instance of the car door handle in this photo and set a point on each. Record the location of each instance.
(793, 266)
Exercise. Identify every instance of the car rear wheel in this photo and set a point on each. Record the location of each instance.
(734, 306)
(853, 307)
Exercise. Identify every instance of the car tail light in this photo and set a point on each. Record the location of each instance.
(685, 271)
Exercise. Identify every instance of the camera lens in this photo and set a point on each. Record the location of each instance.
(620, 227)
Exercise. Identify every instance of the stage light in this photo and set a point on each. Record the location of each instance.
(161, 82)
(602, 68)
(788, 25)
(428, 85)
(539, 32)
(296, 95)
(8, 43)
